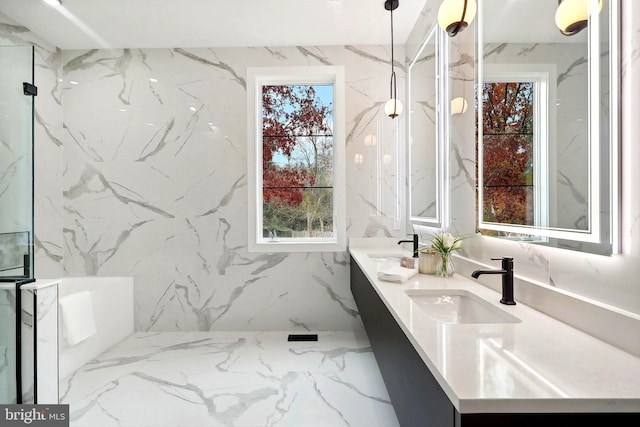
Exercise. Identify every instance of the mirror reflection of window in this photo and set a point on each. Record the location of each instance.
(574, 153)
(508, 184)
(518, 133)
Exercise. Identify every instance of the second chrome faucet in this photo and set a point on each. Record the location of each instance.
(507, 278)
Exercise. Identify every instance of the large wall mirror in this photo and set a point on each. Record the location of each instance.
(547, 115)
(428, 125)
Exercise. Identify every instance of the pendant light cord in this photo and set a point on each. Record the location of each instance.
(393, 73)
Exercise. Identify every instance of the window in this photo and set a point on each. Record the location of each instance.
(295, 161)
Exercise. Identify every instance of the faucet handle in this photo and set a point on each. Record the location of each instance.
(502, 257)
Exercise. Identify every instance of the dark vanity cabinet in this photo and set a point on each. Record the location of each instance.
(415, 394)
(417, 397)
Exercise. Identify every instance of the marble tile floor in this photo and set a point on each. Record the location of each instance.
(240, 379)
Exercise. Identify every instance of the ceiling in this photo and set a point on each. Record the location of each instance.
(88, 24)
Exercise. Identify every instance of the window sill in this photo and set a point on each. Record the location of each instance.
(288, 246)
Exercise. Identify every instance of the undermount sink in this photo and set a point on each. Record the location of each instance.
(458, 306)
(385, 257)
(384, 261)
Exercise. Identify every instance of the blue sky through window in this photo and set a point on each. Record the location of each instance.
(325, 93)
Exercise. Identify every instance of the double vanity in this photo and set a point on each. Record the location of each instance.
(452, 355)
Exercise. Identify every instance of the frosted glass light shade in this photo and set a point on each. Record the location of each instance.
(392, 110)
(458, 105)
(572, 16)
(450, 12)
(370, 140)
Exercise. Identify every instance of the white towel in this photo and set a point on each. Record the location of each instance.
(397, 274)
(78, 322)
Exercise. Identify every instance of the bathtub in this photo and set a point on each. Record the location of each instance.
(112, 306)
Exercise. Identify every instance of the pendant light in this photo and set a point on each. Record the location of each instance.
(572, 16)
(459, 105)
(393, 107)
(456, 15)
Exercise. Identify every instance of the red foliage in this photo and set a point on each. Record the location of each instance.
(288, 112)
(507, 152)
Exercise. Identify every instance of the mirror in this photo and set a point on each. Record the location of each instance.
(547, 155)
(427, 121)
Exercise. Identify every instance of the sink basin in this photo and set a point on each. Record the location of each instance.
(458, 306)
(385, 261)
(385, 257)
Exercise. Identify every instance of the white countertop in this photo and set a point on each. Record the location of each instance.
(536, 365)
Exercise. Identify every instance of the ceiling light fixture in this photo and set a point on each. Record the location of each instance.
(54, 3)
(393, 107)
(572, 16)
(456, 15)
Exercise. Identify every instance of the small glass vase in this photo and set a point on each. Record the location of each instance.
(445, 266)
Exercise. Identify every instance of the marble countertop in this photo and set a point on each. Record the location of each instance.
(537, 365)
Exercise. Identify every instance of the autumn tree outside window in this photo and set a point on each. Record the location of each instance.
(296, 160)
(514, 163)
(508, 152)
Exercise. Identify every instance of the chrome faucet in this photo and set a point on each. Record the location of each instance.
(507, 279)
(415, 244)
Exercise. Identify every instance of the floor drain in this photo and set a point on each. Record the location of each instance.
(303, 337)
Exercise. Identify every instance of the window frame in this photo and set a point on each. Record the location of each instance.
(257, 77)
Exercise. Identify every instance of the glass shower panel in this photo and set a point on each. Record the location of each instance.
(8, 353)
(16, 205)
(16, 163)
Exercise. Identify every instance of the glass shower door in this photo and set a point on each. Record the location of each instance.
(16, 204)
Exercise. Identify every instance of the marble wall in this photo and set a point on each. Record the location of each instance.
(155, 185)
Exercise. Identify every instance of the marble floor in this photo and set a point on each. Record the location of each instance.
(243, 379)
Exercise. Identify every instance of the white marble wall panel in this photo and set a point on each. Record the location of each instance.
(155, 186)
(48, 147)
(609, 280)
